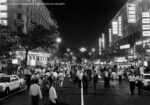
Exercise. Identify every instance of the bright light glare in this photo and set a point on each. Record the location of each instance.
(58, 40)
(83, 49)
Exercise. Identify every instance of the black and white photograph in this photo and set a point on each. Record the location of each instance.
(74, 52)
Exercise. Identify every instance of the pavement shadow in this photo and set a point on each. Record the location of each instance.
(61, 103)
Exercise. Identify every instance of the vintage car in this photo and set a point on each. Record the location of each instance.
(146, 80)
(9, 83)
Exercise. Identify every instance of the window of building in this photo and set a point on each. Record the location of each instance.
(3, 1)
(19, 15)
(38, 58)
(33, 58)
(3, 15)
(30, 58)
(19, 29)
(3, 22)
(19, 6)
(3, 7)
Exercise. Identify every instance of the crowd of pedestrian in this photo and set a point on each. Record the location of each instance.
(42, 82)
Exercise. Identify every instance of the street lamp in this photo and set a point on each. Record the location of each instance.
(71, 53)
(68, 49)
(90, 53)
(58, 40)
(82, 49)
(93, 50)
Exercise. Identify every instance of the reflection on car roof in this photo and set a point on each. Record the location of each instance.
(3, 74)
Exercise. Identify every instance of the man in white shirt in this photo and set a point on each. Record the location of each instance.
(52, 95)
(35, 92)
(132, 83)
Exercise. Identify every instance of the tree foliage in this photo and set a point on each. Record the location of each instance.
(37, 36)
(7, 43)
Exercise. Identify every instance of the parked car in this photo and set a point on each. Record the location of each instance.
(146, 80)
(9, 83)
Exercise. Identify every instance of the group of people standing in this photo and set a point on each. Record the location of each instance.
(135, 81)
(44, 90)
(43, 87)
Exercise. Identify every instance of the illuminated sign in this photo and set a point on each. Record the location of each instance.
(146, 33)
(110, 37)
(145, 14)
(119, 26)
(32, 62)
(146, 27)
(131, 12)
(125, 46)
(100, 46)
(3, 22)
(146, 23)
(115, 27)
(120, 59)
(3, 12)
(3, 15)
(14, 61)
(3, 7)
(3, 1)
(103, 40)
(138, 43)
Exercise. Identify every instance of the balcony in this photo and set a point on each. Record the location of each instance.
(19, 22)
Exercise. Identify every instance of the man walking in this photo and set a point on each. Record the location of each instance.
(139, 80)
(85, 81)
(106, 79)
(95, 80)
(45, 90)
(132, 83)
(35, 92)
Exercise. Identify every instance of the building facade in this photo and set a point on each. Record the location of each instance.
(34, 57)
(19, 15)
(130, 29)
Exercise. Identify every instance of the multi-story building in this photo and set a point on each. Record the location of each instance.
(131, 28)
(19, 15)
(35, 57)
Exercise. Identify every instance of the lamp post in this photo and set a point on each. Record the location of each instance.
(58, 40)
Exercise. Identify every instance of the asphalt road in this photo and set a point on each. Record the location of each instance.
(69, 95)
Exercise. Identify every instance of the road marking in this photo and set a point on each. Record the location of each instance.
(82, 98)
(12, 94)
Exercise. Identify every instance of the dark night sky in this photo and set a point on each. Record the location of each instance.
(82, 21)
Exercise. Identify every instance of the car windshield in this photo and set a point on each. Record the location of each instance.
(147, 77)
(4, 79)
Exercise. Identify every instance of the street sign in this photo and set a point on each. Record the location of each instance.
(32, 62)
(146, 33)
(131, 12)
(145, 20)
(146, 27)
(14, 61)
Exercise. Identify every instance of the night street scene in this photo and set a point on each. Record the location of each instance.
(74, 52)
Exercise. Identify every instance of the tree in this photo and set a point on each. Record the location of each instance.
(37, 36)
(7, 43)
